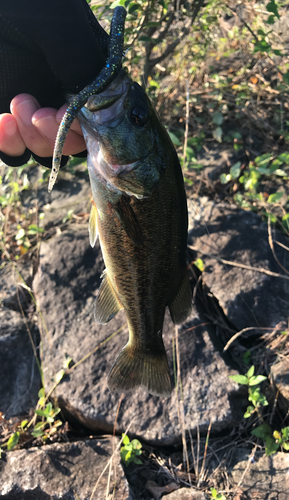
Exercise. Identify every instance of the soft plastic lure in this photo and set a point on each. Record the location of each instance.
(110, 70)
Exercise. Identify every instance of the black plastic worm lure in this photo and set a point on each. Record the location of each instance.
(112, 65)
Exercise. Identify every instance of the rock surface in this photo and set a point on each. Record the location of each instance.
(186, 494)
(20, 380)
(248, 298)
(65, 285)
(66, 471)
(266, 477)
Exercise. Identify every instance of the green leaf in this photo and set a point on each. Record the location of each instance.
(37, 433)
(199, 264)
(285, 433)
(271, 446)
(251, 371)
(249, 411)
(41, 413)
(257, 380)
(263, 431)
(225, 178)
(145, 38)
(240, 379)
(136, 444)
(137, 461)
(217, 118)
(272, 7)
(125, 439)
(39, 425)
(117, 3)
(152, 24)
(271, 19)
(33, 229)
(41, 393)
(235, 170)
(263, 160)
(284, 157)
(217, 134)
(20, 234)
(275, 197)
(174, 139)
(23, 423)
(13, 440)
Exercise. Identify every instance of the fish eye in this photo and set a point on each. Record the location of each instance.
(139, 116)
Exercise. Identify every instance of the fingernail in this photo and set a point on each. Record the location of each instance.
(10, 128)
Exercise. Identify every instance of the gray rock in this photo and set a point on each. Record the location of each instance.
(248, 298)
(66, 471)
(65, 285)
(20, 379)
(265, 477)
(186, 494)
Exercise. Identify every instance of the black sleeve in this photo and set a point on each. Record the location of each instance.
(48, 48)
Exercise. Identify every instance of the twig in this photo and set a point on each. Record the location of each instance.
(281, 245)
(250, 328)
(205, 454)
(270, 239)
(242, 266)
(182, 416)
(187, 124)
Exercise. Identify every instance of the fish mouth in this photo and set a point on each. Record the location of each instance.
(107, 108)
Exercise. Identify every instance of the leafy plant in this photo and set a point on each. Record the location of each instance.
(217, 496)
(130, 451)
(43, 429)
(254, 395)
(273, 440)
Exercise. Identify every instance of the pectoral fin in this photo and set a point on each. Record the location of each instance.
(107, 303)
(92, 228)
(129, 220)
(181, 305)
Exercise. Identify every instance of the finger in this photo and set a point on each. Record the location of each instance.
(45, 120)
(11, 142)
(23, 108)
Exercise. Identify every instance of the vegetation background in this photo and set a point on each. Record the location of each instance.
(218, 74)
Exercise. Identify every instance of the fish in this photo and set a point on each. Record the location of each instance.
(139, 214)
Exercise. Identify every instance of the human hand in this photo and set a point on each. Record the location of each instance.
(30, 126)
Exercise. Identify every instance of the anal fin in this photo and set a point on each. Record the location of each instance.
(92, 228)
(181, 306)
(107, 303)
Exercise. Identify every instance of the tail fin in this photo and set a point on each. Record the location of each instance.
(134, 368)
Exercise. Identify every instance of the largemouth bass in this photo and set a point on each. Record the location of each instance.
(140, 215)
